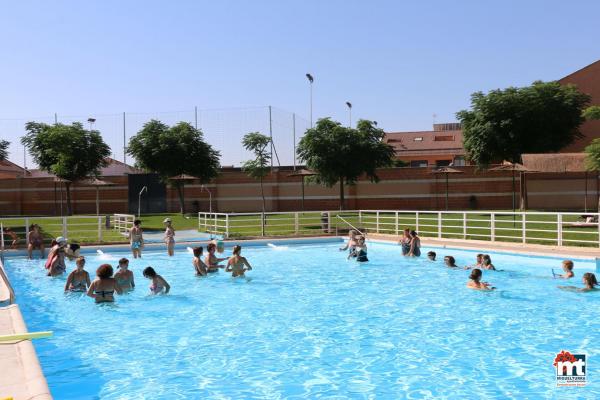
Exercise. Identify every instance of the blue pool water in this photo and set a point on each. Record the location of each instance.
(312, 325)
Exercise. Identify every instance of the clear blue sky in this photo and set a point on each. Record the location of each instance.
(397, 62)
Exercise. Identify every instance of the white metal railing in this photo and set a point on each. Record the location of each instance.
(80, 228)
(552, 228)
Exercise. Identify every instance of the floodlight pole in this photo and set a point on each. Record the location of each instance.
(349, 105)
(124, 141)
(294, 137)
(310, 82)
(271, 135)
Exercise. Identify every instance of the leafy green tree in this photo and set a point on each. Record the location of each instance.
(341, 154)
(503, 124)
(4, 149)
(68, 151)
(592, 113)
(171, 151)
(259, 167)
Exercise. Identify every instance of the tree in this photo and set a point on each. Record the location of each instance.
(259, 167)
(4, 149)
(592, 113)
(503, 124)
(176, 150)
(68, 151)
(340, 154)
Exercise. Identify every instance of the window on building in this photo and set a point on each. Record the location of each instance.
(444, 138)
(418, 139)
(418, 163)
(442, 163)
(459, 161)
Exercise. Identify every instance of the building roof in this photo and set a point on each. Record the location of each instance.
(555, 162)
(8, 168)
(114, 168)
(426, 142)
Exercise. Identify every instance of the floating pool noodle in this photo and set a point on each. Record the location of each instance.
(25, 336)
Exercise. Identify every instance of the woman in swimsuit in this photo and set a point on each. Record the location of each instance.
(55, 264)
(237, 264)
(567, 266)
(35, 240)
(136, 239)
(79, 279)
(159, 284)
(475, 281)
(415, 245)
(450, 262)
(360, 250)
(200, 268)
(211, 260)
(486, 262)
(104, 286)
(589, 282)
(169, 236)
(351, 243)
(405, 242)
(124, 276)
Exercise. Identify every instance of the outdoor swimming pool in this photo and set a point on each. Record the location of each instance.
(311, 324)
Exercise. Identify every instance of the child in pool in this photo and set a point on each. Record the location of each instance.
(79, 279)
(475, 281)
(478, 262)
(237, 264)
(589, 282)
(211, 260)
(431, 255)
(351, 243)
(124, 276)
(567, 266)
(360, 250)
(200, 268)
(486, 263)
(159, 284)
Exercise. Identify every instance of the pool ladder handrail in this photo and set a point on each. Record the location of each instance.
(11, 292)
(352, 226)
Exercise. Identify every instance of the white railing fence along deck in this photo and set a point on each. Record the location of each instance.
(551, 228)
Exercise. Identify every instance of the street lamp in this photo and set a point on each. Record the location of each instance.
(205, 189)
(310, 81)
(350, 112)
(91, 121)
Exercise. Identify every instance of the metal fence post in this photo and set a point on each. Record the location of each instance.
(360, 216)
(397, 223)
(559, 231)
(26, 231)
(377, 221)
(439, 225)
(296, 223)
(465, 225)
(99, 228)
(417, 222)
(64, 227)
(493, 227)
(226, 225)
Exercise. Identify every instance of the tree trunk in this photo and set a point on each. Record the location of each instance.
(68, 190)
(341, 193)
(180, 195)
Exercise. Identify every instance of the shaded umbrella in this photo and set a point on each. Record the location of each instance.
(60, 182)
(508, 166)
(96, 183)
(180, 179)
(447, 171)
(303, 173)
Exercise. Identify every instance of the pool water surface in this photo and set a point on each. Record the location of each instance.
(310, 324)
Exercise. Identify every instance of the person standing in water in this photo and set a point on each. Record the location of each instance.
(55, 264)
(237, 264)
(158, 284)
(136, 238)
(567, 266)
(589, 281)
(211, 260)
(415, 245)
(351, 243)
(79, 279)
(405, 241)
(475, 281)
(124, 276)
(104, 286)
(360, 250)
(169, 236)
(35, 240)
(199, 266)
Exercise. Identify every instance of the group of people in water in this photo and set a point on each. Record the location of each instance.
(411, 247)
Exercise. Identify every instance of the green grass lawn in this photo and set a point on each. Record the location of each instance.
(541, 228)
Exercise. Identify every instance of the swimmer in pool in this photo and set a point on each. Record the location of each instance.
(486, 263)
(589, 281)
(237, 264)
(199, 266)
(211, 260)
(567, 266)
(159, 284)
(124, 276)
(169, 236)
(478, 262)
(450, 262)
(351, 243)
(431, 255)
(136, 238)
(79, 279)
(103, 288)
(220, 246)
(360, 250)
(475, 281)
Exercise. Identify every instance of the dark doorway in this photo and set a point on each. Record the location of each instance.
(154, 200)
